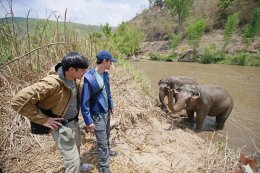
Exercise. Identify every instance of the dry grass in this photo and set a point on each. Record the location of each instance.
(146, 139)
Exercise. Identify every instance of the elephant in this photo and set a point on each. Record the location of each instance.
(204, 100)
(173, 82)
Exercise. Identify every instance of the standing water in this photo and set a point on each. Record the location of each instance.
(243, 83)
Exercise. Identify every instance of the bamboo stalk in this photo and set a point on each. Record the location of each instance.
(38, 48)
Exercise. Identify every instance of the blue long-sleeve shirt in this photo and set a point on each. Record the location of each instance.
(93, 101)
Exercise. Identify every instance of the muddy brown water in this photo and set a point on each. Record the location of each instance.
(242, 129)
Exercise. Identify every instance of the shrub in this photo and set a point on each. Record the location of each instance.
(211, 56)
(253, 60)
(175, 40)
(243, 59)
(154, 56)
(230, 28)
(254, 28)
(127, 39)
(236, 59)
(195, 33)
(225, 3)
(168, 58)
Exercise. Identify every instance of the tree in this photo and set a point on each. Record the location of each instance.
(195, 33)
(230, 28)
(181, 7)
(107, 30)
(128, 38)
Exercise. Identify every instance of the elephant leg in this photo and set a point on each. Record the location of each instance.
(190, 115)
(199, 121)
(164, 108)
(221, 119)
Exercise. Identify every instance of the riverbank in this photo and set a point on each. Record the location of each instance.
(147, 140)
(210, 51)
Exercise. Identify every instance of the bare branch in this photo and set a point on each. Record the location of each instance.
(19, 57)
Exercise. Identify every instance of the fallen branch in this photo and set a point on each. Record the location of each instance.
(19, 57)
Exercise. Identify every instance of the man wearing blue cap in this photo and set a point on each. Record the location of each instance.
(97, 105)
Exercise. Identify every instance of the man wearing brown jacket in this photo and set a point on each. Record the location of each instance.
(54, 103)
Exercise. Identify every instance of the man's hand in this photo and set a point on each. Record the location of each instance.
(90, 128)
(112, 111)
(53, 123)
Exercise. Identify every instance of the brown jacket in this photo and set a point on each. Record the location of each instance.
(50, 93)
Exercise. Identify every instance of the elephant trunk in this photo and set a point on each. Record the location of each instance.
(161, 97)
(179, 104)
(170, 100)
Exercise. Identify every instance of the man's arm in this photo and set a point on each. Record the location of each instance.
(25, 103)
(85, 103)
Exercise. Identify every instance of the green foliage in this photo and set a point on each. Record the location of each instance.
(157, 57)
(254, 27)
(107, 30)
(154, 56)
(243, 59)
(211, 55)
(181, 7)
(5, 58)
(230, 28)
(195, 33)
(168, 58)
(127, 39)
(225, 3)
(175, 40)
(6, 43)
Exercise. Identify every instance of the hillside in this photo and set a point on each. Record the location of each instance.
(160, 24)
(50, 24)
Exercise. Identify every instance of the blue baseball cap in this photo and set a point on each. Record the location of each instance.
(104, 54)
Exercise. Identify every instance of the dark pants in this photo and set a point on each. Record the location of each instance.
(102, 132)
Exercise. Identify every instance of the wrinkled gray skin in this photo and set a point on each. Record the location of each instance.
(172, 83)
(204, 100)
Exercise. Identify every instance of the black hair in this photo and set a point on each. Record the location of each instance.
(74, 60)
(99, 61)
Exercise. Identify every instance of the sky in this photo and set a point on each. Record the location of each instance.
(92, 12)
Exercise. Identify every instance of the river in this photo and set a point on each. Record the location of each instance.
(242, 128)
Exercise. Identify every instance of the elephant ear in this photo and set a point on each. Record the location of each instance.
(177, 90)
(194, 95)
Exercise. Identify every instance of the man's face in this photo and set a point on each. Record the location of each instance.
(77, 73)
(108, 64)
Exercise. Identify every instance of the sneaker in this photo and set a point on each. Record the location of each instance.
(104, 170)
(86, 167)
(113, 153)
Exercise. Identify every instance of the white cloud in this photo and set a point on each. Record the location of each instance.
(93, 12)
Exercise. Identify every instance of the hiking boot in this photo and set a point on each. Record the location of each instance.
(86, 167)
(113, 153)
(104, 170)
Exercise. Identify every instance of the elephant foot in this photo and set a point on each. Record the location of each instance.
(197, 130)
(189, 120)
(219, 127)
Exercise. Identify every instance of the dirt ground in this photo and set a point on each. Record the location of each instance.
(148, 141)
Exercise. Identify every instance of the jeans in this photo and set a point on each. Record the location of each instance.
(102, 132)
